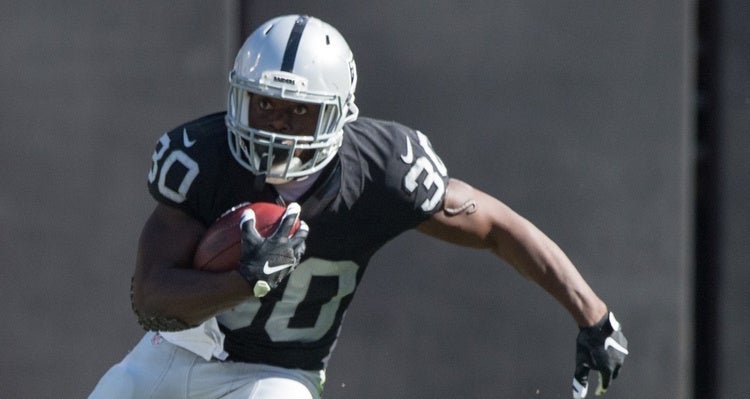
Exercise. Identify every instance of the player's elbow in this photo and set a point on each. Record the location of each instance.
(138, 300)
(151, 314)
(142, 304)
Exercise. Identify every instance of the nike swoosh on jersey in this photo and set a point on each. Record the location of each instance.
(408, 158)
(273, 269)
(186, 140)
(610, 342)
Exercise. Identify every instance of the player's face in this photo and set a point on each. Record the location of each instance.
(283, 116)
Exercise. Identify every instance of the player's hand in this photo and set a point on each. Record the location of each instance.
(266, 262)
(601, 347)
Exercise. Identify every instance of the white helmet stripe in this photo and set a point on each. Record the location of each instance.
(290, 54)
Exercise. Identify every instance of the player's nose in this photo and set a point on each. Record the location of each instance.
(279, 122)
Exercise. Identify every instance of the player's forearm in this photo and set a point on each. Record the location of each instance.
(166, 286)
(188, 295)
(538, 258)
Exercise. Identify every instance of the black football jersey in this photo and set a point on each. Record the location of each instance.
(385, 180)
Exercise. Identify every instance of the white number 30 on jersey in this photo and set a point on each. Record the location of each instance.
(425, 170)
(188, 165)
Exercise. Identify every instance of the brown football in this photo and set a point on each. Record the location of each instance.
(219, 248)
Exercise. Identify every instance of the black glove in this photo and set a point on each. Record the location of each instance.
(266, 262)
(601, 347)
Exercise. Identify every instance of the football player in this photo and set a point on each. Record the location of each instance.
(292, 135)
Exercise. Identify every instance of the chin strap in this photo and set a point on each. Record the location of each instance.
(259, 182)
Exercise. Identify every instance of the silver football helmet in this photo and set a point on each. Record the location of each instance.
(296, 58)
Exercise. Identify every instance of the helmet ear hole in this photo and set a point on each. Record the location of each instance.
(295, 58)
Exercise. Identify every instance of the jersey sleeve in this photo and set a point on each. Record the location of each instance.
(402, 174)
(183, 168)
(172, 174)
(415, 173)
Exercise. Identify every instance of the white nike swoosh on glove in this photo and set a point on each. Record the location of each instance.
(273, 269)
(611, 342)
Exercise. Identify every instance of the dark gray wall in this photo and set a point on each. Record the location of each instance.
(578, 116)
(87, 88)
(734, 210)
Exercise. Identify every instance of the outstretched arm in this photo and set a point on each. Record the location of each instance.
(475, 219)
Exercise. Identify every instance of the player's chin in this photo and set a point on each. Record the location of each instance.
(277, 170)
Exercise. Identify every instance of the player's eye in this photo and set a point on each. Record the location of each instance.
(300, 110)
(265, 105)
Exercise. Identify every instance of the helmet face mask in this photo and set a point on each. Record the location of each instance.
(299, 59)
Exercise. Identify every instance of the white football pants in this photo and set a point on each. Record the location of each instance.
(156, 368)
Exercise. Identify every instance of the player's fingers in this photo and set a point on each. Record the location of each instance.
(301, 234)
(616, 372)
(580, 389)
(298, 240)
(247, 225)
(247, 221)
(582, 372)
(581, 381)
(604, 379)
(288, 220)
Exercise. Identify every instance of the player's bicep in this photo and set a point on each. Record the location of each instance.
(469, 217)
(168, 240)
